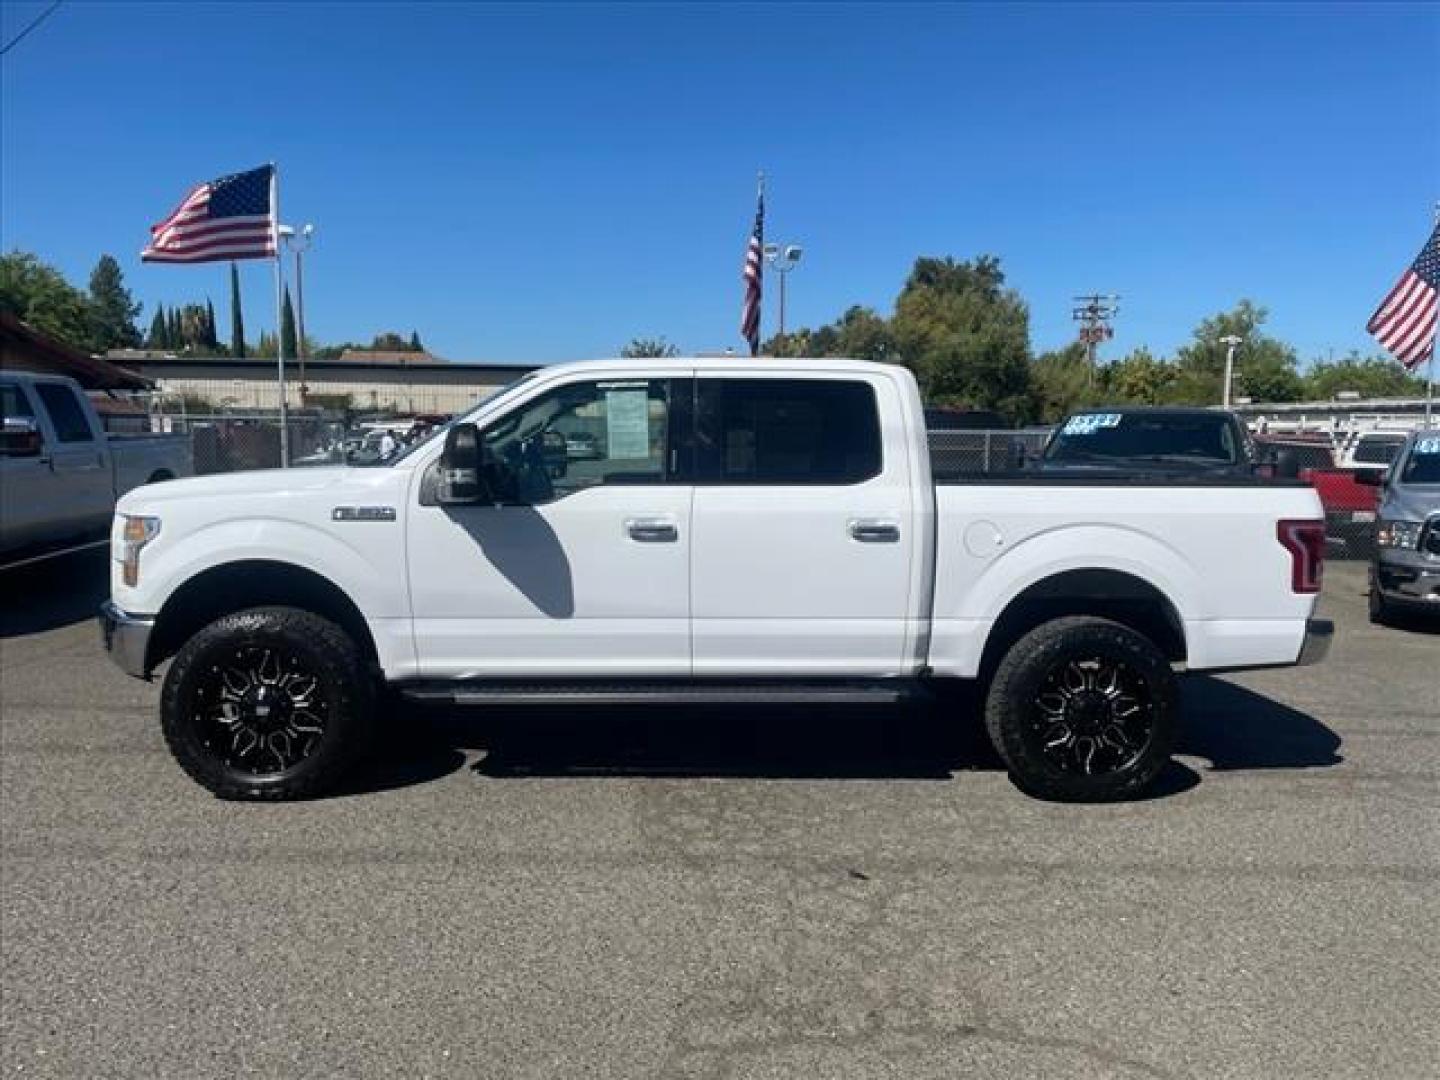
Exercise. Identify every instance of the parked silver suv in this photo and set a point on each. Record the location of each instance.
(1405, 572)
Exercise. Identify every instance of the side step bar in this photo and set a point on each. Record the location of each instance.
(879, 692)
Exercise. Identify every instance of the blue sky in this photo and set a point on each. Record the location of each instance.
(541, 183)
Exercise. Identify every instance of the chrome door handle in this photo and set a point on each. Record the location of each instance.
(871, 531)
(652, 530)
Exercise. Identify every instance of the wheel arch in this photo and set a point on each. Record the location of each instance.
(245, 583)
(1116, 595)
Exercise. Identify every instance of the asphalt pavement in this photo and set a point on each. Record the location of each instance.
(713, 894)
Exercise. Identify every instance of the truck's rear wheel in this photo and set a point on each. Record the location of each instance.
(1083, 709)
(269, 703)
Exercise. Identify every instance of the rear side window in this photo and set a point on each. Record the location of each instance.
(65, 412)
(786, 431)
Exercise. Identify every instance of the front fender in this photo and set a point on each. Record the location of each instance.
(374, 579)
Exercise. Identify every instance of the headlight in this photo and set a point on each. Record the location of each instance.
(1398, 534)
(136, 533)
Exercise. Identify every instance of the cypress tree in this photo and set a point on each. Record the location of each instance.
(287, 327)
(415, 345)
(174, 332)
(156, 340)
(211, 341)
(237, 321)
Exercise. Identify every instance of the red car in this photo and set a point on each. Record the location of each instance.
(1349, 506)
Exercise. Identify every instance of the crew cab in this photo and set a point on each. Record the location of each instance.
(746, 532)
(60, 472)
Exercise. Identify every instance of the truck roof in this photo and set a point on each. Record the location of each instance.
(728, 363)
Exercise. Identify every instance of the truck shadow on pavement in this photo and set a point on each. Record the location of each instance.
(1229, 726)
(56, 593)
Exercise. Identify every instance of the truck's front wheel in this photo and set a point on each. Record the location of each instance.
(1083, 709)
(269, 703)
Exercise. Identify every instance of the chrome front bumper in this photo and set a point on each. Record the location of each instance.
(1319, 633)
(126, 638)
(1406, 576)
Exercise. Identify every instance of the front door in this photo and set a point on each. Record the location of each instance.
(581, 567)
(805, 530)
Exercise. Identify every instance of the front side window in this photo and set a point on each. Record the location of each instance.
(65, 412)
(787, 431)
(579, 436)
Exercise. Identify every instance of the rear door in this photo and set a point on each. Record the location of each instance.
(803, 526)
(84, 495)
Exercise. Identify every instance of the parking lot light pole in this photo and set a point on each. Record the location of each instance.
(782, 259)
(1231, 342)
(299, 243)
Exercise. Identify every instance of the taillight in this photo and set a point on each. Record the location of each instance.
(1305, 541)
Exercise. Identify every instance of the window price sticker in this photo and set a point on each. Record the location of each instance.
(1089, 423)
(1428, 445)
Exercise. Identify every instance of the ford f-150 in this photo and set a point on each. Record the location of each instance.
(744, 532)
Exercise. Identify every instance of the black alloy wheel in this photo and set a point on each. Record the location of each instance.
(268, 703)
(1083, 709)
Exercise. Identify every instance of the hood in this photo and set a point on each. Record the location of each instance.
(1411, 502)
(279, 483)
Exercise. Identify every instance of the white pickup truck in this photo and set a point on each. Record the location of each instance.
(736, 531)
(60, 473)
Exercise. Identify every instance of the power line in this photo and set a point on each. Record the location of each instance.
(33, 24)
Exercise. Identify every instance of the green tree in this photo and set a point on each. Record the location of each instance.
(1138, 378)
(415, 345)
(965, 336)
(642, 347)
(38, 294)
(212, 342)
(1063, 382)
(1265, 367)
(174, 330)
(389, 341)
(287, 327)
(158, 338)
(113, 310)
(237, 320)
(1369, 376)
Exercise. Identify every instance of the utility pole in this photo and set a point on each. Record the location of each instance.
(1094, 312)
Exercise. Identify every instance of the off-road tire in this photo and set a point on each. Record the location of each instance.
(327, 653)
(1018, 726)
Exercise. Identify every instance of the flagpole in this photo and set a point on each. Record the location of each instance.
(279, 317)
(1434, 345)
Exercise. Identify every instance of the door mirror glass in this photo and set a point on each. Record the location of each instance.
(1370, 477)
(20, 437)
(461, 480)
(1287, 464)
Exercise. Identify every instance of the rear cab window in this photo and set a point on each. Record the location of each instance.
(786, 431)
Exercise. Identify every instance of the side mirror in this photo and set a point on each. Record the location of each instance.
(460, 476)
(21, 437)
(1287, 465)
(1370, 477)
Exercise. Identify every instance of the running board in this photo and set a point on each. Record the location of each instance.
(886, 692)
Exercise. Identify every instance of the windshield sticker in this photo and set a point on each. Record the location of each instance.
(1428, 445)
(1089, 423)
(627, 423)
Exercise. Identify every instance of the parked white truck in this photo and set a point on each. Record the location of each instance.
(745, 532)
(60, 473)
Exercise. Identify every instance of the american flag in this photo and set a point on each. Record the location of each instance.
(752, 274)
(1404, 322)
(229, 218)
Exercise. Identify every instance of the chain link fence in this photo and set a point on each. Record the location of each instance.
(976, 453)
(233, 442)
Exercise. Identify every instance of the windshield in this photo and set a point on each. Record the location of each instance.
(439, 432)
(1423, 465)
(1176, 437)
